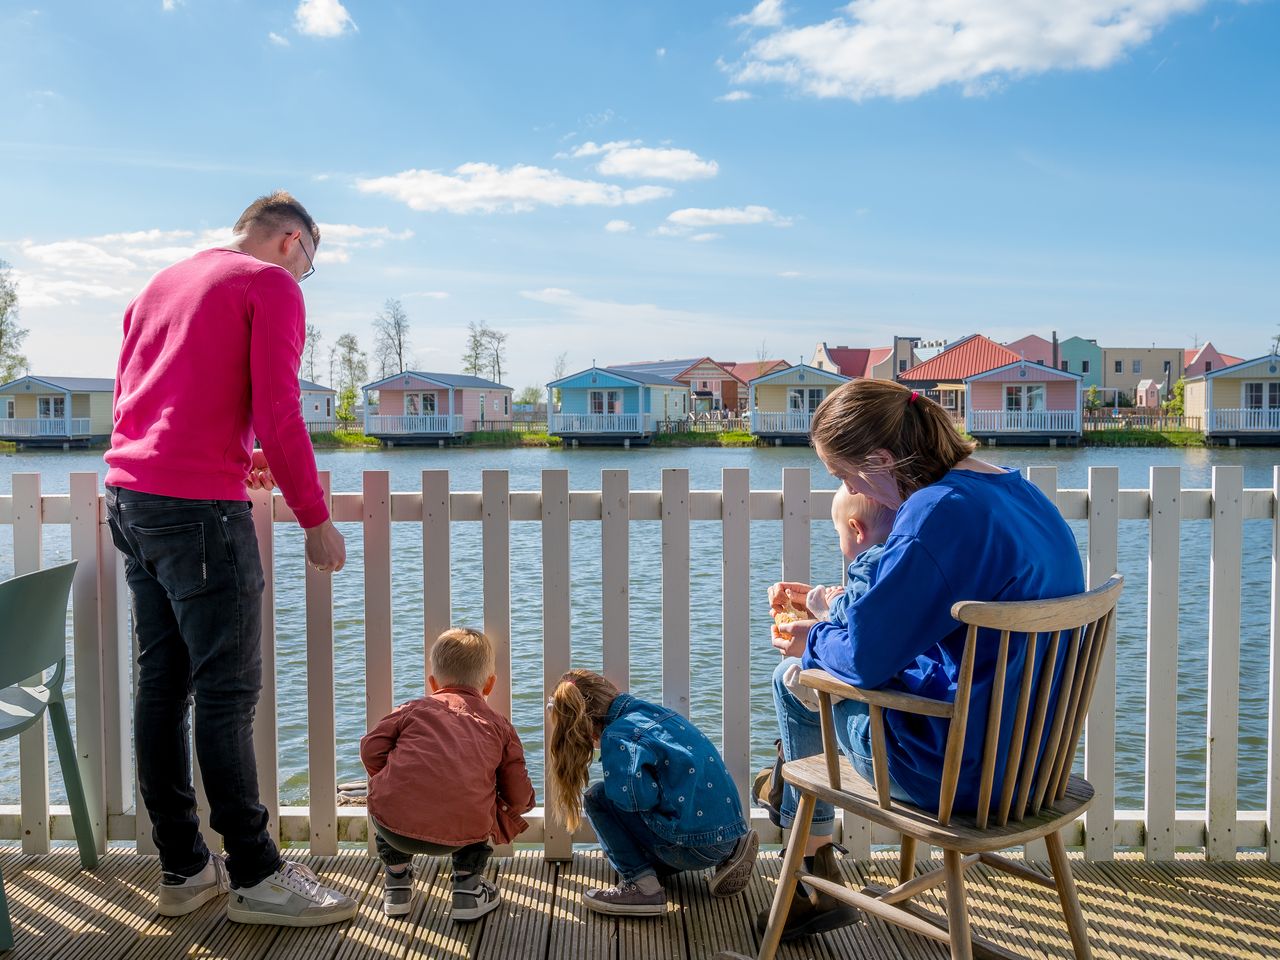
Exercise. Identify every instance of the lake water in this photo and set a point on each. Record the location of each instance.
(704, 465)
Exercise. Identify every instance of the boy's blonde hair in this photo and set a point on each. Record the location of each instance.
(578, 705)
(462, 657)
(846, 505)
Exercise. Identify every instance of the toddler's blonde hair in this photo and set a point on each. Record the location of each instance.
(462, 657)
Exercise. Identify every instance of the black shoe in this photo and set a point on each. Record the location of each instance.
(766, 788)
(812, 911)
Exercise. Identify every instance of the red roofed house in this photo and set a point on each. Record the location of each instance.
(942, 378)
(872, 363)
(1206, 359)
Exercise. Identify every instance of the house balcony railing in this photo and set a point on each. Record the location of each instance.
(1023, 421)
(430, 423)
(787, 421)
(1259, 419)
(1194, 556)
(597, 423)
(44, 427)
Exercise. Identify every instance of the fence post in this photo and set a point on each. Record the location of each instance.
(1162, 662)
(735, 615)
(379, 682)
(615, 582)
(1273, 694)
(1100, 728)
(436, 602)
(1224, 662)
(321, 734)
(675, 590)
(556, 638)
(496, 551)
(266, 747)
(33, 743)
(90, 714)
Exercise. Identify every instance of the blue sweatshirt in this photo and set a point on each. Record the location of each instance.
(862, 573)
(969, 536)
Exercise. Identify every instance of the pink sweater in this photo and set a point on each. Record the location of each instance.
(211, 353)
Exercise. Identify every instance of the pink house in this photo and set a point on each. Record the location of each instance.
(1206, 359)
(1147, 395)
(1024, 402)
(416, 406)
(1034, 348)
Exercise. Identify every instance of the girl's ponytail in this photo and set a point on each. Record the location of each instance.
(579, 706)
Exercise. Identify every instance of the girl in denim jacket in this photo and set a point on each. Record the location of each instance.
(666, 802)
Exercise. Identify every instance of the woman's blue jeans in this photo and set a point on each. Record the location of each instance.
(801, 734)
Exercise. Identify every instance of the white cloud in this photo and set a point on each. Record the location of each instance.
(905, 48)
(627, 158)
(278, 40)
(608, 314)
(427, 295)
(790, 274)
(733, 96)
(661, 52)
(726, 216)
(322, 18)
(169, 5)
(114, 266)
(706, 237)
(766, 13)
(487, 188)
(619, 226)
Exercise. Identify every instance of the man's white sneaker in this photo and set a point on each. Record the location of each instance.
(293, 896)
(179, 896)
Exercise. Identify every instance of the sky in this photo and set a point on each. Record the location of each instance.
(624, 182)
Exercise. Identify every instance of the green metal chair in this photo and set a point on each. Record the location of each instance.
(33, 639)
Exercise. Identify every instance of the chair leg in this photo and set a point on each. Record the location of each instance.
(791, 864)
(1067, 895)
(907, 863)
(70, 765)
(957, 909)
(6, 931)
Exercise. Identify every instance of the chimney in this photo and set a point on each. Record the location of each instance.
(1055, 349)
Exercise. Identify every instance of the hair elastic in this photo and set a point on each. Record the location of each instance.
(914, 397)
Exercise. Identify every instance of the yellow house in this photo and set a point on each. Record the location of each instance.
(1239, 404)
(56, 411)
(782, 402)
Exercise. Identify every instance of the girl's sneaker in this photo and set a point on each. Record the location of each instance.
(397, 891)
(181, 895)
(626, 900)
(473, 897)
(293, 896)
(734, 872)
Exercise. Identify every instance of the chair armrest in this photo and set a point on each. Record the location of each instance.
(889, 699)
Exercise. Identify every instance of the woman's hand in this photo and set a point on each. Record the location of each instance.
(786, 595)
(790, 639)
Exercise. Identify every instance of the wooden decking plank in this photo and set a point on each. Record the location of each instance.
(1119, 926)
(576, 933)
(759, 895)
(871, 935)
(1011, 912)
(373, 933)
(519, 927)
(121, 891)
(436, 935)
(643, 938)
(352, 873)
(713, 924)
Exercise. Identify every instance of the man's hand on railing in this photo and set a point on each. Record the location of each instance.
(260, 476)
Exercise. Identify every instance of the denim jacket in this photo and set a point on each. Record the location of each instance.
(659, 765)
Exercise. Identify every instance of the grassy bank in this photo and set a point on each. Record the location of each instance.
(728, 438)
(508, 438)
(343, 438)
(1142, 438)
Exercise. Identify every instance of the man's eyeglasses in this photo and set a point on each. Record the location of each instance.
(311, 263)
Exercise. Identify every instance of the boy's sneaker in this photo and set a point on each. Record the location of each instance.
(736, 870)
(180, 895)
(473, 897)
(293, 896)
(626, 900)
(397, 891)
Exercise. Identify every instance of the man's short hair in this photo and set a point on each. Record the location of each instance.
(462, 657)
(278, 211)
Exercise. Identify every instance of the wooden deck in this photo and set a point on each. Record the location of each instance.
(1137, 910)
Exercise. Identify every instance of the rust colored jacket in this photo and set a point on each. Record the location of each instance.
(447, 769)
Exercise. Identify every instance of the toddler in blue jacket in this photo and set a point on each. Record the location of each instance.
(666, 803)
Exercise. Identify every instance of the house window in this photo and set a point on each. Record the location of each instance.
(328, 408)
(1208, 365)
(1023, 397)
(419, 404)
(1064, 365)
(1137, 366)
(800, 400)
(1273, 395)
(1084, 366)
(51, 408)
(1168, 367)
(1119, 366)
(7, 410)
(902, 365)
(1253, 396)
(947, 398)
(606, 401)
(506, 404)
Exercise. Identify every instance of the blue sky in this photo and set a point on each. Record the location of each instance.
(627, 182)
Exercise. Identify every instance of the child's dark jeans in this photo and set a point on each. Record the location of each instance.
(396, 851)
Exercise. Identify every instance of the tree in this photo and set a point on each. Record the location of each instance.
(13, 363)
(309, 350)
(530, 395)
(1173, 406)
(1091, 399)
(473, 357)
(1275, 345)
(762, 355)
(353, 364)
(496, 347)
(557, 371)
(391, 339)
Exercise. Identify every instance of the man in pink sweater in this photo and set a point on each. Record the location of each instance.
(212, 348)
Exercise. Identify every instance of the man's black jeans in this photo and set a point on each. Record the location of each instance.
(196, 579)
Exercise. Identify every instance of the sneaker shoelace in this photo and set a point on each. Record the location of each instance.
(301, 880)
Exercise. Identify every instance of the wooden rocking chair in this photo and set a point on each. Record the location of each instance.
(1040, 794)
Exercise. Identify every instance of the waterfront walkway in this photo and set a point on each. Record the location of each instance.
(1136, 909)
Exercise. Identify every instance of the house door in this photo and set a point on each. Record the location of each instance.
(51, 408)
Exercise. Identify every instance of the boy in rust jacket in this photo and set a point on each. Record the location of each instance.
(447, 773)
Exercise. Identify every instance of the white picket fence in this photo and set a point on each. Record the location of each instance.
(104, 670)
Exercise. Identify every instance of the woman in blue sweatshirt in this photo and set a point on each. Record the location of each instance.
(965, 530)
